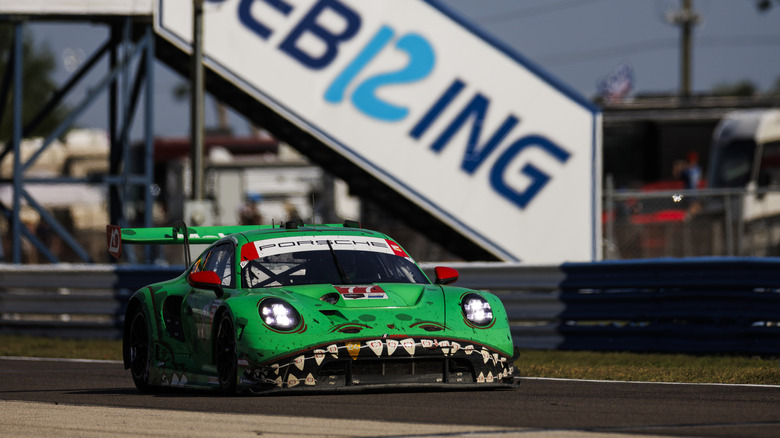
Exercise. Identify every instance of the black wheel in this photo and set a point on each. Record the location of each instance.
(225, 354)
(139, 349)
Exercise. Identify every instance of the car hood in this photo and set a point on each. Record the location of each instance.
(372, 295)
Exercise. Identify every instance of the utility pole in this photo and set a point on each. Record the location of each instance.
(197, 210)
(686, 18)
(196, 105)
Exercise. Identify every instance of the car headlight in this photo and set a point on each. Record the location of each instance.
(477, 310)
(279, 314)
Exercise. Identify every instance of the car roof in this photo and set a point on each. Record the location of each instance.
(309, 230)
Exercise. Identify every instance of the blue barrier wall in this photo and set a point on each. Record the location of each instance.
(710, 305)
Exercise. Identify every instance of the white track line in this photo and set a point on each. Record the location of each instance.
(54, 359)
(744, 385)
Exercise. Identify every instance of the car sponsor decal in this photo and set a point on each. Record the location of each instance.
(114, 238)
(397, 250)
(284, 245)
(361, 292)
(354, 349)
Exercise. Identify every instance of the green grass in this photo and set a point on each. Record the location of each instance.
(649, 367)
(532, 363)
(29, 346)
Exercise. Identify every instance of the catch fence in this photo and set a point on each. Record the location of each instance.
(690, 223)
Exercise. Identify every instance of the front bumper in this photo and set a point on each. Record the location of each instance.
(380, 362)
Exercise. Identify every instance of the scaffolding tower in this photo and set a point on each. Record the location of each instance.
(129, 83)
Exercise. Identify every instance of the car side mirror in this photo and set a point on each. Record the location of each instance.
(206, 280)
(445, 275)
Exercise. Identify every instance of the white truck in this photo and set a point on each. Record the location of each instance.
(745, 154)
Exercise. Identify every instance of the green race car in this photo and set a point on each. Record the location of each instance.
(307, 307)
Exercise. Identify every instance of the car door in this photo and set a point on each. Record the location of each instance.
(200, 305)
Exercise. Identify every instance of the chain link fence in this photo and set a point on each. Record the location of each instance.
(691, 223)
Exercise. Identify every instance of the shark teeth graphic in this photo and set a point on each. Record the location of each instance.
(298, 362)
(391, 346)
(319, 356)
(376, 347)
(408, 345)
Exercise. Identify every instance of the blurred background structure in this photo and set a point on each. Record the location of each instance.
(667, 75)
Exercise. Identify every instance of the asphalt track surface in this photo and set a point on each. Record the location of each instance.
(47, 398)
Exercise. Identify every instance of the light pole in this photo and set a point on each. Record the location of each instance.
(197, 210)
(686, 18)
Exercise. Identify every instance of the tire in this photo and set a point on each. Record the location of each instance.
(225, 354)
(139, 347)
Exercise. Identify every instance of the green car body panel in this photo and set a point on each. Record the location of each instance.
(337, 334)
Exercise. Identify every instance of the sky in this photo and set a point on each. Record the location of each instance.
(579, 42)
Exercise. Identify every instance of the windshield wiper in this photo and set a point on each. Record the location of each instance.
(342, 274)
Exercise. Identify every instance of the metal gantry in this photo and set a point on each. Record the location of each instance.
(130, 50)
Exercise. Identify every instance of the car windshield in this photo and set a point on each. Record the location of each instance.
(733, 164)
(329, 267)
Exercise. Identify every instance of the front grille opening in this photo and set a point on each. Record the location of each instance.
(370, 372)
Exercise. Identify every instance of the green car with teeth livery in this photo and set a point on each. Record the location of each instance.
(297, 306)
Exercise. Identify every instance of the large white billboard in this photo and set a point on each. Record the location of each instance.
(470, 131)
(76, 7)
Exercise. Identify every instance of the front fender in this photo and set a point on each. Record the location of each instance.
(496, 335)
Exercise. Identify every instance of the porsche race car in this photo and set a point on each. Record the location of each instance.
(297, 306)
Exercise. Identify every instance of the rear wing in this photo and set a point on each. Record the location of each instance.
(179, 233)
